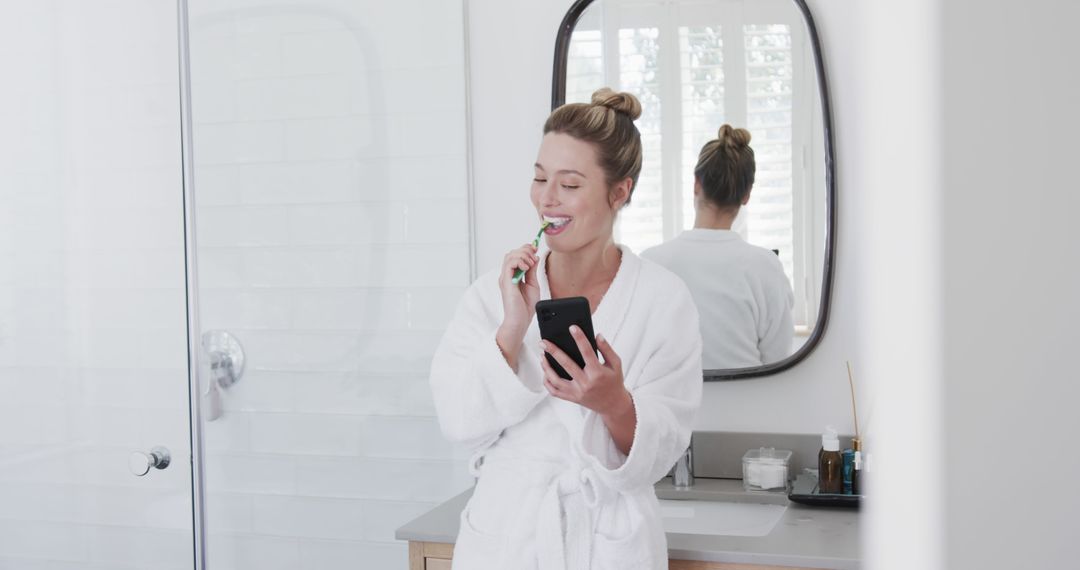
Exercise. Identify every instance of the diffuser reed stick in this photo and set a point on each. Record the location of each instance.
(854, 410)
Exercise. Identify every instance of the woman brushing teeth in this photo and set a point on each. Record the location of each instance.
(566, 467)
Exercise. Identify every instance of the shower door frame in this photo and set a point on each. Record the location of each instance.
(194, 348)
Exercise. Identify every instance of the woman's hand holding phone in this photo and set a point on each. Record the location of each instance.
(519, 300)
(598, 386)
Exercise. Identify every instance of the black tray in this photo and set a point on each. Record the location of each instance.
(805, 491)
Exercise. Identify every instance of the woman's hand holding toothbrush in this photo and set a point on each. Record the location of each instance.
(519, 300)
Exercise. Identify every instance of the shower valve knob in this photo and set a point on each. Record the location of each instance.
(141, 463)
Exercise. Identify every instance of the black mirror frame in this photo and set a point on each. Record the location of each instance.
(558, 98)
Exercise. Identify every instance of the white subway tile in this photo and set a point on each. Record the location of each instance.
(243, 226)
(363, 394)
(432, 308)
(129, 308)
(396, 353)
(309, 517)
(351, 308)
(250, 473)
(363, 223)
(259, 55)
(306, 96)
(250, 552)
(421, 265)
(384, 517)
(300, 182)
(423, 133)
(405, 437)
(438, 220)
(42, 424)
(260, 391)
(301, 351)
(239, 142)
(398, 91)
(141, 547)
(324, 51)
(56, 541)
(38, 501)
(213, 54)
(159, 268)
(222, 267)
(229, 433)
(335, 138)
(286, 19)
(243, 308)
(134, 389)
(388, 479)
(229, 512)
(303, 434)
(32, 385)
(216, 185)
(302, 267)
(214, 100)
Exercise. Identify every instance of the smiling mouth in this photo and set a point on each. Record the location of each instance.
(556, 223)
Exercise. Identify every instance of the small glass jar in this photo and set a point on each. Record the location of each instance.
(766, 469)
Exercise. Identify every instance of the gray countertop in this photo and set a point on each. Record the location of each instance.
(805, 537)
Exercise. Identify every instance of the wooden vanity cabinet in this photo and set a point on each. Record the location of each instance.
(437, 555)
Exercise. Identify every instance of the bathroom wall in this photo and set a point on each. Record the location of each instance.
(1010, 282)
(93, 350)
(511, 51)
(333, 242)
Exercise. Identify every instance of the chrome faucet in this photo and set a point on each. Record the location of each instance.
(683, 473)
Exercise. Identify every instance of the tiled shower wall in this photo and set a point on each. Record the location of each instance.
(333, 243)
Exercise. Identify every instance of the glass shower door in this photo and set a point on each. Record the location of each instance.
(95, 468)
(333, 245)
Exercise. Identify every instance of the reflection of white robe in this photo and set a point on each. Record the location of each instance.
(553, 490)
(742, 294)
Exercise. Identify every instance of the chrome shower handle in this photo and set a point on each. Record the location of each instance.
(141, 463)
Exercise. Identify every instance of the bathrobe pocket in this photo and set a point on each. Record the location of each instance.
(475, 549)
(633, 551)
(627, 536)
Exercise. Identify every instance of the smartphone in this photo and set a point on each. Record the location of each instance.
(555, 317)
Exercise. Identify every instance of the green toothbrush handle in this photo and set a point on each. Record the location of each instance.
(520, 273)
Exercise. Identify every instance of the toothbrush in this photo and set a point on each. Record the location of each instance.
(520, 274)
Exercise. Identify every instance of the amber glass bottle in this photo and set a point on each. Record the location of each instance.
(831, 468)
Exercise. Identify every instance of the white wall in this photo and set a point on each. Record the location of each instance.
(511, 52)
(1011, 283)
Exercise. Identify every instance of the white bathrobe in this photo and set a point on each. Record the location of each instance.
(553, 490)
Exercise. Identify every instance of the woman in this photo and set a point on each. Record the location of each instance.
(741, 291)
(566, 468)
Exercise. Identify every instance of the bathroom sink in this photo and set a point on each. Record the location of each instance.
(719, 517)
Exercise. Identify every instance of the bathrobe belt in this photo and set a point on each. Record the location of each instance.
(572, 494)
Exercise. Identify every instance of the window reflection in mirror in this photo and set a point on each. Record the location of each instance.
(696, 65)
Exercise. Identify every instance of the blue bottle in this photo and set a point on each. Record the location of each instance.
(848, 469)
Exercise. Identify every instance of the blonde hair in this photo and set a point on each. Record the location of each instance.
(608, 124)
(726, 167)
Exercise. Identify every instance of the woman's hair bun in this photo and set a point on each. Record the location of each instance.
(620, 102)
(730, 136)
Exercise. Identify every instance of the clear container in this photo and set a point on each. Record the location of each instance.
(766, 469)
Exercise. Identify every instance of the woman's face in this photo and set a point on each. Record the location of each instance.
(570, 190)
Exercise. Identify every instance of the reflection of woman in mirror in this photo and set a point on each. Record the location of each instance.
(566, 467)
(742, 294)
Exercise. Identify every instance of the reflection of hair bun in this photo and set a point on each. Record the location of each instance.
(618, 102)
(730, 136)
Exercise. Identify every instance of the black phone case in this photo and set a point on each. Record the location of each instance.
(555, 317)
